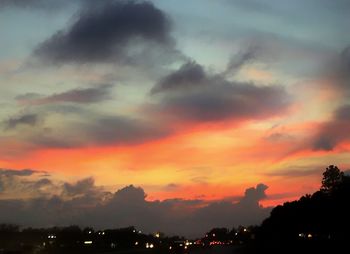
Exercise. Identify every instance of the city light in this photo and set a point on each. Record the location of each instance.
(149, 246)
(88, 242)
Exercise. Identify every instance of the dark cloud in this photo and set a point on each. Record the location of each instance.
(28, 119)
(228, 101)
(128, 206)
(15, 182)
(189, 74)
(21, 172)
(105, 33)
(82, 95)
(343, 69)
(244, 57)
(122, 130)
(343, 113)
(107, 130)
(337, 69)
(81, 187)
(43, 183)
(334, 132)
(191, 94)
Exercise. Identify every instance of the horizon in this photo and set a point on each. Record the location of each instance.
(189, 115)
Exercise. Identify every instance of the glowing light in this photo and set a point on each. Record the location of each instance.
(170, 247)
(309, 235)
(88, 242)
(157, 235)
(149, 246)
(136, 243)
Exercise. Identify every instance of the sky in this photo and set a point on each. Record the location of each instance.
(169, 115)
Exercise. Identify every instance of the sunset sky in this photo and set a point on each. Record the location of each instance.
(196, 103)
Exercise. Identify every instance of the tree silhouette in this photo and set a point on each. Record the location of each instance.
(316, 223)
(332, 178)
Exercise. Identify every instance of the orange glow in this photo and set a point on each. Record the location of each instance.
(207, 162)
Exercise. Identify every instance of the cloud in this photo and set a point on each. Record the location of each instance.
(21, 172)
(81, 187)
(333, 132)
(106, 33)
(338, 70)
(301, 172)
(190, 74)
(129, 206)
(192, 95)
(99, 130)
(19, 183)
(27, 119)
(82, 95)
(344, 68)
(244, 57)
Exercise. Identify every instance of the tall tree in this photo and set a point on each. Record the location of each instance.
(332, 177)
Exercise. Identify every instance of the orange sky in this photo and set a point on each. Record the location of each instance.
(217, 102)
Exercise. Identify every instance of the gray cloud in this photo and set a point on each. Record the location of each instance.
(15, 182)
(27, 119)
(339, 71)
(332, 133)
(82, 95)
(345, 68)
(190, 74)
(103, 33)
(21, 172)
(244, 57)
(192, 95)
(335, 131)
(100, 130)
(128, 206)
(81, 187)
